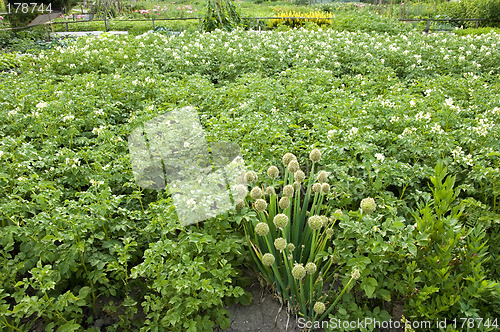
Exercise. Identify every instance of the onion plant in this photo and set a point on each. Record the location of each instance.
(291, 237)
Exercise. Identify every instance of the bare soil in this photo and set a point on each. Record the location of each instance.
(265, 314)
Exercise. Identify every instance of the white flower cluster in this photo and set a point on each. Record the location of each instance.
(379, 156)
(98, 131)
(421, 116)
(483, 126)
(68, 118)
(408, 132)
(436, 129)
(73, 162)
(459, 156)
(96, 183)
(328, 47)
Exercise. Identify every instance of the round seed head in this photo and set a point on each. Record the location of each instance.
(241, 190)
(291, 247)
(284, 202)
(262, 229)
(355, 274)
(288, 157)
(268, 259)
(311, 268)
(368, 205)
(315, 155)
(256, 193)
(240, 178)
(300, 176)
(329, 233)
(296, 185)
(270, 191)
(325, 188)
(280, 243)
(338, 212)
(239, 204)
(324, 219)
(316, 187)
(288, 190)
(280, 220)
(298, 271)
(322, 176)
(273, 172)
(293, 166)
(315, 222)
(319, 308)
(251, 177)
(260, 205)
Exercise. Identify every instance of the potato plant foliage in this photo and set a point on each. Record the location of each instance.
(82, 244)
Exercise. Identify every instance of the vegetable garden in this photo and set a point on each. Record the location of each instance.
(385, 185)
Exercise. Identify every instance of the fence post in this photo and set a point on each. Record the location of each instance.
(106, 23)
(258, 25)
(67, 27)
(153, 20)
(427, 28)
(477, 23)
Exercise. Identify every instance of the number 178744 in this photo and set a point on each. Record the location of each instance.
(25, 7)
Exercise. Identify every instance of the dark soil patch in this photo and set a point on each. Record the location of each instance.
(265, 313)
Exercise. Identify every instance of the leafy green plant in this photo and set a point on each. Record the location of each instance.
(188, 272)
(448, 276)
(8, 61)
(289, 236)
(221, 14)
(377, 243)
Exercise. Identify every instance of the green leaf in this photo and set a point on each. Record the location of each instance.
(369, 285)
(412, 249)
(69, 326)
(398, 224)
(245, 299)
(386, 294)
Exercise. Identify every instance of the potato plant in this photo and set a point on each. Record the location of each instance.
(82, 244)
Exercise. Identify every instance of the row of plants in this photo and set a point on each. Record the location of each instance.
(83, 244)
(224, 57)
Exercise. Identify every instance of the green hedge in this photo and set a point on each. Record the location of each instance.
(489, 10)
